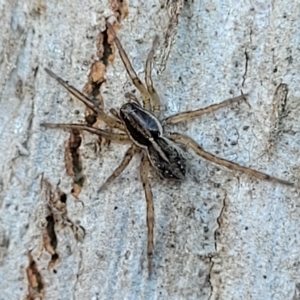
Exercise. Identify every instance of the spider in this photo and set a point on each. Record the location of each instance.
(139, 125)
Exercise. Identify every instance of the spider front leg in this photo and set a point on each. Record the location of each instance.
(135, 79)
(145, 165)
(148, 80)
(121, 137)
(126, 160)
(187, 115)
(189, 142)
(88, 102)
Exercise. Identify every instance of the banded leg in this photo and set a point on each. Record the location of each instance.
(135, 79)
(152, 92)
(189, 142)
(145, 165)
(88, 102)
(126, 160)
(187, 115)
(121, 137)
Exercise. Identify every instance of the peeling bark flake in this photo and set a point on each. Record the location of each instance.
(36, 287)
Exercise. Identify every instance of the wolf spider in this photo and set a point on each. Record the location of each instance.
(139, 125)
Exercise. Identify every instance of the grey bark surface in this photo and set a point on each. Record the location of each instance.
(219, 234)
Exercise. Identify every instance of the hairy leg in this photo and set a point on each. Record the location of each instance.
(126, 160)
(187, 115)
(148, 80)
(88, 102)
(122, 137)
(145, 165)
(189, 142)
(131, 72)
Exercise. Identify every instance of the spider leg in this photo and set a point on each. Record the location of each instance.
(115, 113)
(152, 92)
(122, 137)
(183, 139)
(135, 79)
(187, 115)
(88, 102)
(126, 160)
(145, 165)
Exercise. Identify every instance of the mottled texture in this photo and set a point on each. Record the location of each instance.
(219, 234)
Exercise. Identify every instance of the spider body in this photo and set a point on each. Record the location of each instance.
(146, 131)
(140, 126)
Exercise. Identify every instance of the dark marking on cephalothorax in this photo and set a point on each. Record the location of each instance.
(140, 124)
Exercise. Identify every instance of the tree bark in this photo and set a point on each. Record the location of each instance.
(219, 234)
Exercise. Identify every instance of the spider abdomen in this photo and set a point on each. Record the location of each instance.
(175, 165)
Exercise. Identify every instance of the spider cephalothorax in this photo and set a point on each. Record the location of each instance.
(139, 125)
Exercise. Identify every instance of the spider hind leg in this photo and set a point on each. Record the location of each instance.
(144, 171)
(189, 142)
